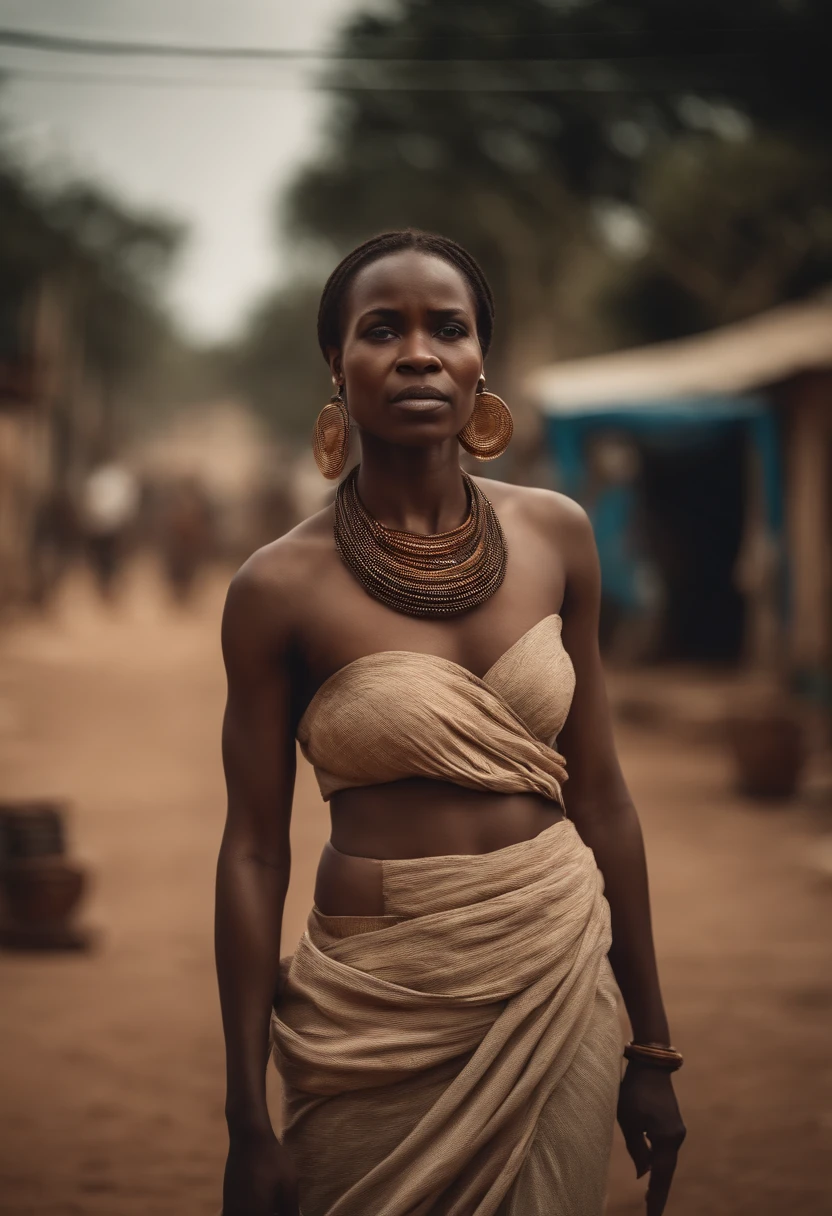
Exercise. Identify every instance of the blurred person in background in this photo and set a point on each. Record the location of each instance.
(273, 508)
(109, 507)
(54, 545)
(447, 1030)
(187, 533)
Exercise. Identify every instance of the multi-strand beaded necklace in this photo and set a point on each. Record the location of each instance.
(438, 575)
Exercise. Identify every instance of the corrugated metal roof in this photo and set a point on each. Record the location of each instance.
(749, 354)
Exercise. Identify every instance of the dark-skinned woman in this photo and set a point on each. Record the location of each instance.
(446, 1030)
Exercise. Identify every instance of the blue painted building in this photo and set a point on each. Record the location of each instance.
(705, 466)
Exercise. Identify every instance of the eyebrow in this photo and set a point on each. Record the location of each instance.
(394, 314)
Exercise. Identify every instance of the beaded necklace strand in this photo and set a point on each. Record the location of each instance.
(442, 574)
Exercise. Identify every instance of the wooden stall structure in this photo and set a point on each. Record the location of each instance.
(768, 378)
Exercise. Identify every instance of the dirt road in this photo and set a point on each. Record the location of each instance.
(111, 1075)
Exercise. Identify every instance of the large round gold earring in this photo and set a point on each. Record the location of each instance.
(488, 431)
(331, 437)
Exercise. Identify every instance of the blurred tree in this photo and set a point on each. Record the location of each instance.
(675, 152)
(734, 228)
(112, 274)
(27, 246)
(277, 362)
(103, 267)
(584, 88)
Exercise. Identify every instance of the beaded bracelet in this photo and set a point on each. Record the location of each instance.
(654, 1055)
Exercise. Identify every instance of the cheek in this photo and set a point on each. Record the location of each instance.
(365, 372)
(364, 364)
(468, 363)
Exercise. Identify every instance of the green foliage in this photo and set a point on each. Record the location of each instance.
(106, 265)
(735, 229)
(28, 244)
(515, 128)
(473, 95)
(277, 363)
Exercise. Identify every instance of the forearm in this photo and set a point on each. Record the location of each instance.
(251, 891)
(614, 835)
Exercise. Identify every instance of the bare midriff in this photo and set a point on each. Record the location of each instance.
(415, 818)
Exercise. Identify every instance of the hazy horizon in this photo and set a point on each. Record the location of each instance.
(211, 144)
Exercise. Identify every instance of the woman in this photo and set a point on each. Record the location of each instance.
(447, 1029)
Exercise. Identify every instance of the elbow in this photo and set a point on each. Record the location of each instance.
(279, 864)
(252, 850)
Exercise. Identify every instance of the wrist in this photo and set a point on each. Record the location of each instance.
(665, 1058)
(651, 1030)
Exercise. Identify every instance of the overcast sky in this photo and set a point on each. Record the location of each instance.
(211, 143)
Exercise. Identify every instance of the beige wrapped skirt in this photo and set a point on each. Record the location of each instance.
(459, 1055)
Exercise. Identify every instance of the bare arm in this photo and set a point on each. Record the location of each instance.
(252, 876)
(601, 808)
(597, 797)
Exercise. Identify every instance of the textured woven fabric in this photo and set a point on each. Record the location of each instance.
(398, 713)
(460, 1054)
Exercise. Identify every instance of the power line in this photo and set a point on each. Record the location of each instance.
(152, 82)
(676, 41)
(33, 40)
(358, 70)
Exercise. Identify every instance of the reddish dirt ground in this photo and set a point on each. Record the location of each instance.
(111, 1075)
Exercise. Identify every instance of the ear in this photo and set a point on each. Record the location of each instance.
(333, 356)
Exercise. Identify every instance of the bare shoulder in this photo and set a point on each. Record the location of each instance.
(560, 518)
(265, 596)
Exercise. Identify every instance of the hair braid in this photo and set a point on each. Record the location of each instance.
(335, 289)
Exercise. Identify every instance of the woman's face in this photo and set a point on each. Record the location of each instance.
(410, 358)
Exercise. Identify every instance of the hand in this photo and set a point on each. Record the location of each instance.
(649, 1117)
(260, 1178)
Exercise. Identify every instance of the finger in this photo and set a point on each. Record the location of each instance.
(639, 1150)
(661, 1175)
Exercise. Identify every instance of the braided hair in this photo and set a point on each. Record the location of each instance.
(335, 289)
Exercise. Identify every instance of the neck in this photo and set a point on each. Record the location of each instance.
(412, 489)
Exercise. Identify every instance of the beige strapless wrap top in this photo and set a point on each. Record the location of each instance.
(399, 713)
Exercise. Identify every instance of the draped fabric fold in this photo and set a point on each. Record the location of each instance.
(460, 1054)
(396, 714)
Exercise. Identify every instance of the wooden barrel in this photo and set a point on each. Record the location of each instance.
(32, 829)
(768, 745)
(42, 891)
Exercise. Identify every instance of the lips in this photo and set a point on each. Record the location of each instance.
(420, 392)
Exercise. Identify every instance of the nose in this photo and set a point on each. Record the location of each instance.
(418, 357)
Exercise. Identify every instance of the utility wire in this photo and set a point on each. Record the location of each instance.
(679, 41)
(252, 84)
(585, 72)
(33, 40)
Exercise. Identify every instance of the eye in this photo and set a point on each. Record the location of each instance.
(380, 333)
(453, 330)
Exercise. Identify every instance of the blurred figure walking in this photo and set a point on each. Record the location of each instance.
(54, 544)
(109, 505)
(186, 535)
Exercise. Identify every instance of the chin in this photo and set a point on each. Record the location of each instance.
(422, 436)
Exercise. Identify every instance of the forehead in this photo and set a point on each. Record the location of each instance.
(408, 279)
